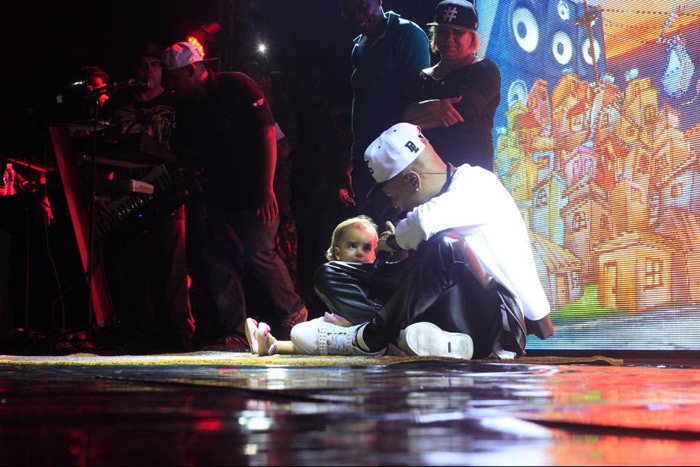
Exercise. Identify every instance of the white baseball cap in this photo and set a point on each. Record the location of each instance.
(182, 54)
(393, 151)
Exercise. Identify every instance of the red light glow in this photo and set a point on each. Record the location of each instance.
(193, 40)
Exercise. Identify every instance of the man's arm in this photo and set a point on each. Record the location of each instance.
(468, 205)
(268, 209)
(266, 138)
(414, 50)
(414, 55)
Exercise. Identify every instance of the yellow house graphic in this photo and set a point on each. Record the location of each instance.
(522, 178)
(559, 271)
(634, 272)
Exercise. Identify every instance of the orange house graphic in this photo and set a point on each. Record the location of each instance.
(634, 272)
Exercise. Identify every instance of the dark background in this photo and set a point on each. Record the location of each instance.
(46, 43)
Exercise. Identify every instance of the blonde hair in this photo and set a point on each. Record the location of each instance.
(474, 44)
(343, 226)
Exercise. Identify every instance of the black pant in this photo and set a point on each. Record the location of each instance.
(148, 282)
(433, 284)
(226, 243)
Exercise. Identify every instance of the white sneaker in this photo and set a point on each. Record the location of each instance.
(428, 340)
(317, 337)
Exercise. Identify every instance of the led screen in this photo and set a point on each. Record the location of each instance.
(597, 139)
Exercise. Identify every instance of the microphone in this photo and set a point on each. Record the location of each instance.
(117, 85)
(126, 84)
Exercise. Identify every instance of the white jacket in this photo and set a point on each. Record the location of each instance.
(479, 208)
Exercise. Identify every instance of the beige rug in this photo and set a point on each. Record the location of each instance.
(247, 359)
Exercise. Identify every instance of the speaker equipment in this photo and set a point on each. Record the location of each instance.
(567, 43)
(533, 39)
(517, 46)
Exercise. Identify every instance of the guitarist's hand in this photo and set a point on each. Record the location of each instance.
(268, 209)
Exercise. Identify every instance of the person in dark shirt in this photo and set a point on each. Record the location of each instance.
(145, 107)
(148, 270)
(388, 50)
(457, 98)
(225, 123)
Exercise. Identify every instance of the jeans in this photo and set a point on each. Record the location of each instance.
(231, 243)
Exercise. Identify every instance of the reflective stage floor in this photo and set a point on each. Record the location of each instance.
(427, 412)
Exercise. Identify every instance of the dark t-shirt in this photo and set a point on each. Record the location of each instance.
(380, 75)
(223, 135)
(129, 117)
(470, 142)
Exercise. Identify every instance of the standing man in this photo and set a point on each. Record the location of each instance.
(225, 122)
(389, 52)
(148, 270)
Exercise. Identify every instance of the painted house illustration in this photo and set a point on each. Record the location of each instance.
(522, 178)
(681, 187)
(629, 208)
(682, 227)
(692, 136)
(587, 223)
(560, 272)
(571, 119)
(546, 208)
(507, 151)
(528, 130)
(634, 272)
(606, 122)
(628, 131)
(582, 162)
(641, 102)
(670, 150)
(538, 104)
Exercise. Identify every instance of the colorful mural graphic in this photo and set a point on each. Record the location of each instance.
(602, 156)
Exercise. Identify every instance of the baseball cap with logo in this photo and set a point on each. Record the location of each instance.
(393, 151)
(182, 54)
(461, 13)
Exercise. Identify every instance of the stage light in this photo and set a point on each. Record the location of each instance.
(193, 40)
(203, 36)
(262, 48)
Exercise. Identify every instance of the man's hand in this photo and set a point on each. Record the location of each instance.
(346, 197)
(347, 193)
(268, 210)
(381, 244)
(443, 111)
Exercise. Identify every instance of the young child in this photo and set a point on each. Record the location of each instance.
(353, 240)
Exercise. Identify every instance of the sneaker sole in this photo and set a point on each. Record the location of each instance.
(428, 340)
(251, 326)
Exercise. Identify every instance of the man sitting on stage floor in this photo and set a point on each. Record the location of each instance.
(469, 285)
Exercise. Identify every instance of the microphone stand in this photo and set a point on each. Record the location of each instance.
(93, 192)
(95, 95)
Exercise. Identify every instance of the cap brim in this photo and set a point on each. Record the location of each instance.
(455, 26)
(373, 191)
(206, 60)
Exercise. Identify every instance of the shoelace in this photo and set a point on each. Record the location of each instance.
(339, 341)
